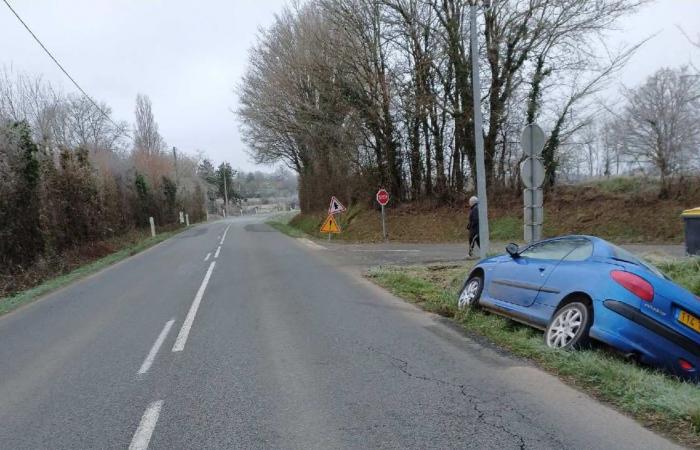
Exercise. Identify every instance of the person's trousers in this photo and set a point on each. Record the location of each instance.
(474, 240)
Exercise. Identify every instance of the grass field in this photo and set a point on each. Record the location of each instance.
(657, 400)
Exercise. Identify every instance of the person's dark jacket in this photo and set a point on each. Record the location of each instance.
(474, 219)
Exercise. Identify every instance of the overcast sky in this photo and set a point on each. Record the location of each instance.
(188, 56)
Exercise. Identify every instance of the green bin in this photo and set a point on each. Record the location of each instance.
(691, 217)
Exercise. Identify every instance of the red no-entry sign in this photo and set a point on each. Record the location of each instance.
(382, 197)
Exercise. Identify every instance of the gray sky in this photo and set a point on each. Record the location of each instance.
(188, 55)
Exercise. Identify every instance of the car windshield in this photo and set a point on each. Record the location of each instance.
(623, 255)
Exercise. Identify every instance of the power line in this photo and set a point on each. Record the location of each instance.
(75, 83)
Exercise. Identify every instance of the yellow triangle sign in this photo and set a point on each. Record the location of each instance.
(330, 225)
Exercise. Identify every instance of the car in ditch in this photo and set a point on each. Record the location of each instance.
(582, 288)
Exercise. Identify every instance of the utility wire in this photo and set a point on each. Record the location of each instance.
(75, 83)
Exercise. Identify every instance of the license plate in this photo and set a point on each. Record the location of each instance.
(689, 320)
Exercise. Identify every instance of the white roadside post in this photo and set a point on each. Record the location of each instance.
(182, 218)
(532, 174)
(153, 226)
(478, 135)
(187, 220)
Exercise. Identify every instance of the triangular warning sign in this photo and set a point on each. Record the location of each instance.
(336, 207)
(330, 225)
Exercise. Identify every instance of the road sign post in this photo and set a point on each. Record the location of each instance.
(484, 240)
(330, 226)
(383, 198)
(532, 174)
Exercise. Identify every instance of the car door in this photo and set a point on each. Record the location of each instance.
(570, 274)
(520, 279)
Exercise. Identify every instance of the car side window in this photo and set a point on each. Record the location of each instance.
(582, 252)
(556, 250)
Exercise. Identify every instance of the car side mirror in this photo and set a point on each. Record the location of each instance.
(513, 250)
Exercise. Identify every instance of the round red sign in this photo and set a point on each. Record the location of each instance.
(382, 197)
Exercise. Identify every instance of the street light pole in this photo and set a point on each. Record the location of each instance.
(478, 136)
(225, 191)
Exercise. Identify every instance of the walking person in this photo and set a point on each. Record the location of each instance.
(473, 225)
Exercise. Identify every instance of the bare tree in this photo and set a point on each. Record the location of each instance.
(662, 122)
(147, 139)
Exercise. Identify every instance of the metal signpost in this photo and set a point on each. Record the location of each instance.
(532, 174)
(330, 226)
(478, 134)
(383, 199)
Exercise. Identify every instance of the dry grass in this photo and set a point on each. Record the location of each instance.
(613, 210)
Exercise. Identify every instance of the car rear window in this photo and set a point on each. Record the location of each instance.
(624, 255)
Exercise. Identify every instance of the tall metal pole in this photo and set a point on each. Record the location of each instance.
(225, 191)
(479, 138)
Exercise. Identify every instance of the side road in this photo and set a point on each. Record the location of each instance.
(369, 255)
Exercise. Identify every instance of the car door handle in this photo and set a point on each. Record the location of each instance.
(542, 269)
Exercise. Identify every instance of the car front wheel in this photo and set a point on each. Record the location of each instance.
(471, 292)
(569, 327)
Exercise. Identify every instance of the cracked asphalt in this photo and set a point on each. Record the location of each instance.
(289, 349)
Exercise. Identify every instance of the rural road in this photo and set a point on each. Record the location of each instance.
(264, 341)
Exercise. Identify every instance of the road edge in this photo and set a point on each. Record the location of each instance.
(72, 278)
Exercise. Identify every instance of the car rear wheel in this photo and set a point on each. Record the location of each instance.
(471, 292)
(569, 327)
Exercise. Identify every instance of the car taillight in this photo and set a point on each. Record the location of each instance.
(685, 365)
(635, 284)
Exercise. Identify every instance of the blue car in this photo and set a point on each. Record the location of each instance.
(578, 288)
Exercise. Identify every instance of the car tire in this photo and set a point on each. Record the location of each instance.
(471, 293)
(568, 329)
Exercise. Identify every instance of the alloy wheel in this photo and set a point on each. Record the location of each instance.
(470, 293)
(565, 327)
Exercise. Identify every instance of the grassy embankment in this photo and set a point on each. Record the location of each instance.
(79, 264)
(659, 401)
(620, 209)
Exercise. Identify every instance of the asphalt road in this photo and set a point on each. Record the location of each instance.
(364, 255)
(277, 345)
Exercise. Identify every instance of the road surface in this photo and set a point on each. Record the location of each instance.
(231, 335)
(362, 256)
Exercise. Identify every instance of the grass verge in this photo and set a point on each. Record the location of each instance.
(281, 221)
(660, 402)
(10, 303)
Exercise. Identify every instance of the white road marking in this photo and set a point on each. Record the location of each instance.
(187, 324)
(312, 244)
(385, 251)
(224, 236)
(218, 249)
(207, 257)
(156, 346)
(145, 430)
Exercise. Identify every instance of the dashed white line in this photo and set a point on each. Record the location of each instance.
(224, 236)
(218, 249)
(312, 244)
(187, 324)
(145, 430)
(207, 257)
(156, 346)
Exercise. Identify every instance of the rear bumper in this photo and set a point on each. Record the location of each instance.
(629, 330)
